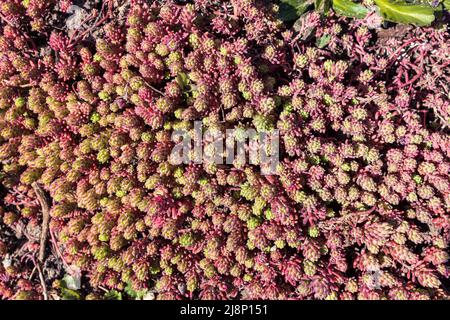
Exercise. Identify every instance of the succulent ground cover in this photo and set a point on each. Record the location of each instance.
(91, 91)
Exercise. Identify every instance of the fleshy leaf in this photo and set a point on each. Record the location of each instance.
(69, 286)
(182, 80)
(69, 294)
(402, 12)
(113, 295)
(138, 295)
(323, 41)
(322, 5)
(349, 8)
(290, 10)
(447, 4)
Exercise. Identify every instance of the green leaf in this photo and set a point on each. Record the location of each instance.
(322, 5)
(69, 294)
(323, 41)
(182, 80)
(349, 8)
(113, 295)
(447, 4)
(134, 294)
(69, 286)
(290, 10)
(402, 12)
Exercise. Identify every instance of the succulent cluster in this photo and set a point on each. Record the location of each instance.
(358, 208)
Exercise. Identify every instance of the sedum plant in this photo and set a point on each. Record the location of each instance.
(419, 13)
(358, 207)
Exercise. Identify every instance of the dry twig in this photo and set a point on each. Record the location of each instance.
(43, 200)
(41, 279)
(45, 206)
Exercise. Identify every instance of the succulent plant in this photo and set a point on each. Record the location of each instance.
(358, 207)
